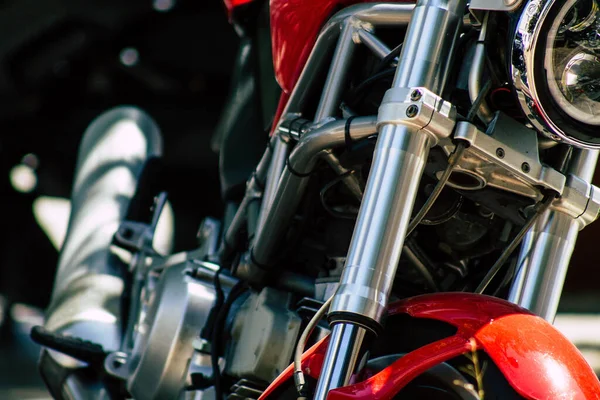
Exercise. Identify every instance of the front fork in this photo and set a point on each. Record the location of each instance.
(547, 248)
(398, 163)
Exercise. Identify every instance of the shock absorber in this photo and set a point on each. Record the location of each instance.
(399, 159)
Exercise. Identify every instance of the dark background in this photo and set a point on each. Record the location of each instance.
(63, 62)
(61, 65)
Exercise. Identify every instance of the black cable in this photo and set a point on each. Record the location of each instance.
(540, 207)
(237, 290)
(357, 94)
(324, 191)
(347, 137)
(437, 190)
(294, 172)
(420, 267)
(510, 274)
(374, 78)
(395, 52)
(477, 103)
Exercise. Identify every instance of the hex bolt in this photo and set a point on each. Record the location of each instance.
(500, 152)
(525, 167)
(412, 111)
(416, 95)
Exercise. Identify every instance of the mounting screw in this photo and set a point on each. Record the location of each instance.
(411, 111)
(415, 95)
(525, 167)
(500, 152)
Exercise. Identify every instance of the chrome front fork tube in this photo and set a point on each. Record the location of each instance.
(398, 163)
(547, 248)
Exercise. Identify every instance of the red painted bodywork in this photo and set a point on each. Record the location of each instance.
(537, 360)
(295, 25)
(230, 5)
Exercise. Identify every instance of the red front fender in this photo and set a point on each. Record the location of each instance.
(536, 359)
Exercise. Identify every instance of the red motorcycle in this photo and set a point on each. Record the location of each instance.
(410, 222)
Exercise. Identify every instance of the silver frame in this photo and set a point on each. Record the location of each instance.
(360, 301)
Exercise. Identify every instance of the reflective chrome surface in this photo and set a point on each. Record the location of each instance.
(398, 163)
(88, 286)
(571, 62)
(291, 187)
(495, 5)
(382, 222)
(546, 251)
(543, 262)
(526, 53)
(378, 48)
(338, 71)
(518, 146)
(344, 347)
(348, 20)
(177, 311)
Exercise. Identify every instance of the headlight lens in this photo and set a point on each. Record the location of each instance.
(556, 69)
(572, 63)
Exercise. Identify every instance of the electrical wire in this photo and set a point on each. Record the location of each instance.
(395, 52)
(421, 268)
(540, 207)
(510, 274)
(298, 374)
(478, 101)
(358, 93)
(360, 88)
(437, 190)
(324, 191)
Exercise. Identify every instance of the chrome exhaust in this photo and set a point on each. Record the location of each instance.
(86, 298)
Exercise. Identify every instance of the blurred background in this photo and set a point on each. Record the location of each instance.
(63, 62)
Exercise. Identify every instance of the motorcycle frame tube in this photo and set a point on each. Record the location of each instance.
(291, 187)
(377, 14)
(546, 251)
(279, 153)
(252, 192)
(373, 43)
(338, 71)
(398, 163)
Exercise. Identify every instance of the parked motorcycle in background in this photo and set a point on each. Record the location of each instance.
(403, 186)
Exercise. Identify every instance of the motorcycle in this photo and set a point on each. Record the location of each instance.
(427, 170)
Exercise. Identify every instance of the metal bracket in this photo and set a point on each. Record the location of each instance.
(420, 108)
(580, 200)
(495, 5)
(138, 236)
(115, 365)
(506, 158)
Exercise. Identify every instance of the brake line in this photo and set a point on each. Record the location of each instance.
(540, 207)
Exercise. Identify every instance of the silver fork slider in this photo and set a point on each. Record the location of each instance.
(398, 162)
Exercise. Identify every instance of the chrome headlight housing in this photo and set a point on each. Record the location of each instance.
(556, 69)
